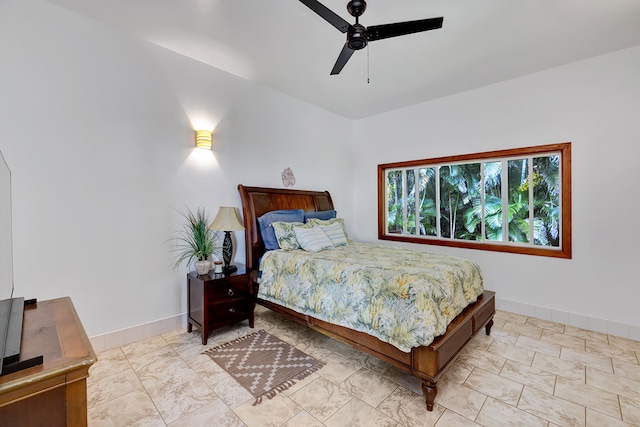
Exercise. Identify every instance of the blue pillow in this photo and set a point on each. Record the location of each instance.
(266, 230)
(323, 215)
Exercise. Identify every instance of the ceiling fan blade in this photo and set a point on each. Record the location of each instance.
(377, 32)
(344, 56)
(327, 14)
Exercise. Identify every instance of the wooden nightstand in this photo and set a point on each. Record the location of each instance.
(217, 300)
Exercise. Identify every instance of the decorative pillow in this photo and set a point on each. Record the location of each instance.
(315, 221)
(285, 235)
(312, 239)
(335, 233)
(266, 231)
(320, 215)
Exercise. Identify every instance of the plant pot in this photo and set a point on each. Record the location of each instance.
(203, 267)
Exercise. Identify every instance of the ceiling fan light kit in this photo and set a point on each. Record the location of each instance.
(358, 36)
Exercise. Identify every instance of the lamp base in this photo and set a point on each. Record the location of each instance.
(230, 269)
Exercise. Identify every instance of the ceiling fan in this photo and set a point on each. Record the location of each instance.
(358, 36)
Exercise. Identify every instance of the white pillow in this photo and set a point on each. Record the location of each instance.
(335, 232)
(312, 239)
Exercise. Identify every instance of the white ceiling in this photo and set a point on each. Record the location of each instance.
(282, 44)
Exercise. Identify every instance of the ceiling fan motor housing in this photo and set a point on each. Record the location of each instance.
(357, 37)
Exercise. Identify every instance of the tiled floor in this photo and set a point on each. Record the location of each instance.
(529, 372)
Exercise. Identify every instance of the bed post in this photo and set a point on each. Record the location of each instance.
(487, 327)
(430, 390)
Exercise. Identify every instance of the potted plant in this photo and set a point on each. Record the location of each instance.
(196, 242)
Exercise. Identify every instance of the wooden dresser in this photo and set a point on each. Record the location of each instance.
(54, 393)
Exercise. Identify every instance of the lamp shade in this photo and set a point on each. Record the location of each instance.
(204, 139)
(226, 220)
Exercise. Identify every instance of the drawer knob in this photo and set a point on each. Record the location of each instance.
(232, 310)
(230, 292)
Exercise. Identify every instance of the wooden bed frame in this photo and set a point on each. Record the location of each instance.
(425, 362)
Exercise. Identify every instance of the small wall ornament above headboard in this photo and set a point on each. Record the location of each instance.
(288, 179)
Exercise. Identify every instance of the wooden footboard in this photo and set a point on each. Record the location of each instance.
(428, 363)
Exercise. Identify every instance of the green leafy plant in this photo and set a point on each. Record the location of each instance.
(195, 241)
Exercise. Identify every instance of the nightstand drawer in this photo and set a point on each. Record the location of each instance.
(229, 289)
(230, 309)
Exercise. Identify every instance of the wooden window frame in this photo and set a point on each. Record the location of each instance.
(564, 252)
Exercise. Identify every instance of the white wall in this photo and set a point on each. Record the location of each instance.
(595, 104)
(97, 128)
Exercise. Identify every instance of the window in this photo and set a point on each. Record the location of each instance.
(516, 200)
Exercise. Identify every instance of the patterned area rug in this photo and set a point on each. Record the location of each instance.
(263, 364)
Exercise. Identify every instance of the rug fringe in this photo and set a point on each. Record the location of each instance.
(237, 340)
(289, 383)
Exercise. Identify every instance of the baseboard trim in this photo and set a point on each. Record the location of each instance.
(577, 320)
(147, 330)
(139, 332)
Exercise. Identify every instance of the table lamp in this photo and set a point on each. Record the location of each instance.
(227, 220)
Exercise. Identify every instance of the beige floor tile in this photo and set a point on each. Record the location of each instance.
(145, 347)
(369, 387)
(111, 387)
(627, 370)
(460, 399)
(122, 411)
(321, 398)
(630, 410)
(451, 419)
(481, 359)
(495, 414)
(268, 413)
(337, 368)
(498, 387)
(512, 352)
(358, 413)
(564, 340)
(521, 351)
(614, 384)
(587, 359)
(537, 378)
(232, 393)
(303, 419)
(546, 324)
(179, 400)
(370, 362)
(624, 343)
(214, 413)
(560, 367)
(404, 379)
(163, 374)
(588, 396)
(585, 334)
(551, 408)
(597, 419)
(611, 351)
(457, 373)
(410, 409)
(538, 346)
(512, 317)
(522, 329)
(111, 362)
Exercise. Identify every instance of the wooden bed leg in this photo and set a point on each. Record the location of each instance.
(488, 326)
(430, 390)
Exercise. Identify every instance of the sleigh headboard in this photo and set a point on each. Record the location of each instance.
(256, 201)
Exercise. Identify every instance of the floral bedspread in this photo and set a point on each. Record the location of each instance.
(402, 297)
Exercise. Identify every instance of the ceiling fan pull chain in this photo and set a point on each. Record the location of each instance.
(368, 64)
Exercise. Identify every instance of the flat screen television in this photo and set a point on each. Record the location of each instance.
(6, 258)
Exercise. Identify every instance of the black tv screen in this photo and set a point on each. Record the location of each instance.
(6, 254)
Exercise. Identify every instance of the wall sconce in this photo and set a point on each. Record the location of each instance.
(204, 139)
